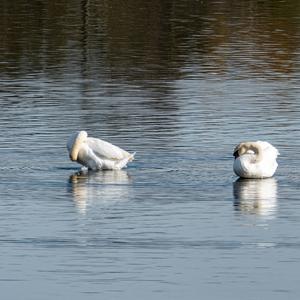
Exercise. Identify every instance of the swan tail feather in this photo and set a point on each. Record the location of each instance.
(122, 163)
(131, 156)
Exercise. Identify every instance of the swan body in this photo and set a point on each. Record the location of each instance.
(255, 159)
(96, 154)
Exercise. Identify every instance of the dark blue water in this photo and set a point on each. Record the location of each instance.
(181, 84)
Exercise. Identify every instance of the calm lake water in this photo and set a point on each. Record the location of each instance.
(180, 83)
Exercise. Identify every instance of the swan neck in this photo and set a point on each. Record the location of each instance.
(76, 146)
(74, 151)
(257, 149)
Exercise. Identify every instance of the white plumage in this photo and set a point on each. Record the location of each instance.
(96, 154)
(255, 159)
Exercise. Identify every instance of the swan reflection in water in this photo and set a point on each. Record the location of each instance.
(256, 196)
(105, 187)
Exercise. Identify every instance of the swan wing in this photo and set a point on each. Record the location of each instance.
(268, 149)
(106, 150)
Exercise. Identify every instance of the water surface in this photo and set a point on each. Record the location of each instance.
(180, 83)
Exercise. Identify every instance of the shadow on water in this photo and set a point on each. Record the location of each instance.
(90, 188)
(256, 196)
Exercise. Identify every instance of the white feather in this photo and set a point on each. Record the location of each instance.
(106, 150)
(97, 154)
(247, 164)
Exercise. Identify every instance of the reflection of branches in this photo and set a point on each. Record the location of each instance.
(142, 43)
(258, 196)
(84, 33)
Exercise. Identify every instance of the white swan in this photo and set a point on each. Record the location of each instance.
(96, 154)
(255, 159)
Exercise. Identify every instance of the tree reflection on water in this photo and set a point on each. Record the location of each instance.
(140, 42)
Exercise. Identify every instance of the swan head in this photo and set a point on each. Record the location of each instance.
(244, 147)
(74, 142)
(239, 150)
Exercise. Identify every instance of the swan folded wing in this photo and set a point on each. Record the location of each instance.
(268, 149)
(106, 150)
